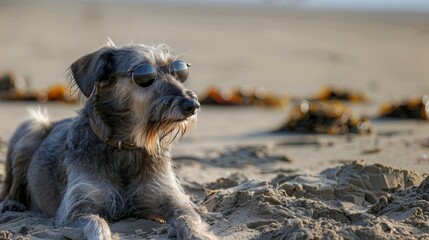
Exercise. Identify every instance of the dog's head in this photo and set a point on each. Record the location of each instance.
(138, 90)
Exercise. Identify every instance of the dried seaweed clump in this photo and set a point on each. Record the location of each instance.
(332, 93)
(245, 95)
(10, 92)
(414, 108)
(7, 85)
(324, 117)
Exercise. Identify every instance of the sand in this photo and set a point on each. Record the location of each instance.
(352, 201)
(249, 182)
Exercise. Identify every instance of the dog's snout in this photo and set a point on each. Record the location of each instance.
(189, 106)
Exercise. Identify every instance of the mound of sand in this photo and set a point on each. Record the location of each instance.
(266, 212)
(409, 205)
(300, 207)
(352, 182)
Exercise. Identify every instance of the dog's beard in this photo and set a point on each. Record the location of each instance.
(158, 135)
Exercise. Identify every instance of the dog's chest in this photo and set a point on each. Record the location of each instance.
(123, 171)
(125, 167)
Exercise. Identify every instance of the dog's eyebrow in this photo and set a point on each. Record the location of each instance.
(133, 68)
(138, 64)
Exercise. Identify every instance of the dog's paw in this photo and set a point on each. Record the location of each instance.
(12, 205)
(189, 228)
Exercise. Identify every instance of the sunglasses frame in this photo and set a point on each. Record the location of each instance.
(163, 68)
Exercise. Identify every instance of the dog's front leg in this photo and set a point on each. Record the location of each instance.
(81, 205)
(169, 200)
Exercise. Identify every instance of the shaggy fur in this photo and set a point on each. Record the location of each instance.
(64, 169)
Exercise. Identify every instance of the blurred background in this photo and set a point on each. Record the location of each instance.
(290, 46)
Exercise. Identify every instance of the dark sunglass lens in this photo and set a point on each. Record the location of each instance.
(179, 70)
(144, 75)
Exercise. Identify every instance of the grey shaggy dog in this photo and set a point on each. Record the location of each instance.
(113, 160)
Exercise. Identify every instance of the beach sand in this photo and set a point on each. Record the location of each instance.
(255, 184)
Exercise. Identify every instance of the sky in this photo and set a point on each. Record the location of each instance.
(418, 6)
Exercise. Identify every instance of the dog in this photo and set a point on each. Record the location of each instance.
(113, 160)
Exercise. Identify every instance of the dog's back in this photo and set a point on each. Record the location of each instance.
(23, 145)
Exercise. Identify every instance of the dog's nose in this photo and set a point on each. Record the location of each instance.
(189, 106)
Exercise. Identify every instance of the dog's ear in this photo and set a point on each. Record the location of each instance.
(93, 67)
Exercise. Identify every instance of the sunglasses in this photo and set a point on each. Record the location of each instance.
(145, 74)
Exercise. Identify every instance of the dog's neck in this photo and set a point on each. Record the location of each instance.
(105, 133)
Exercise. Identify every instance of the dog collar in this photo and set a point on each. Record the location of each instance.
(105, 136)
